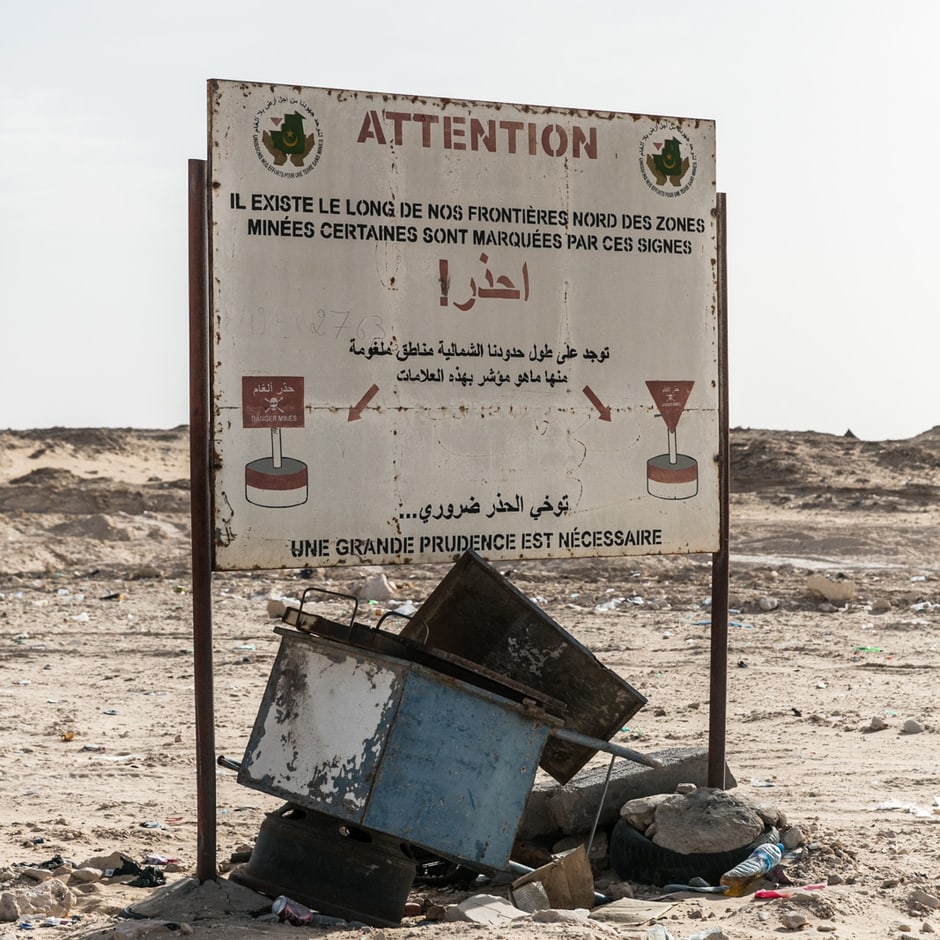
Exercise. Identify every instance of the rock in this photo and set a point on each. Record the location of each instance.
(708, 820)
(146, 572)
(792, 838)
(554, 916)
(793, 920)
(375, 588)
(618, 890)
(768, 603)
(641, 812)
(658, 932)
(51, 898)
(86, 875)
(9, 909)
(921, 898)
(483, 909)
(912, 727)
(686, 788)
(132, 930)
(877, 724)
(36, 874)
(835, 592)
(110, 863)
(276, 609)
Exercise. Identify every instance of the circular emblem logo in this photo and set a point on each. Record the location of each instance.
(667, 160)
(287, 137)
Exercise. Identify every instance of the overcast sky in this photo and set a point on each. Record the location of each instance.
(827, 145)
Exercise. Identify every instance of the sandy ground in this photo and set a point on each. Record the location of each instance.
(96, 676)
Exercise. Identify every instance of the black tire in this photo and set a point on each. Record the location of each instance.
(635, 858)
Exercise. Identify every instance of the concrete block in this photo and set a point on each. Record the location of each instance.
(554, 810)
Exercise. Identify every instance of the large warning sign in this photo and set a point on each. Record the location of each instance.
(440, 325)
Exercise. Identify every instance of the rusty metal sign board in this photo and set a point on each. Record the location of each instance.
(442, 325)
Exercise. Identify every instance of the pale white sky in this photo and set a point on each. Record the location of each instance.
(827, 143)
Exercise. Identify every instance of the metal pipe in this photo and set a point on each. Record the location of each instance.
(200, 510)
(575, 737)
(718, 683)
(600, 804)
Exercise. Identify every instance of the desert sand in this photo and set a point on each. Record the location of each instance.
(832, 705)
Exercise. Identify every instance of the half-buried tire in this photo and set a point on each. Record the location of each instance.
(635, 858)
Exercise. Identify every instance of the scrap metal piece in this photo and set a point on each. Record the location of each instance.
(475, 613)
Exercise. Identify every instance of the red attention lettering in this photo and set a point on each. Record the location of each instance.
(458, 132)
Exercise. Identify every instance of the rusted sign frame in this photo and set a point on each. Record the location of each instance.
(202, 516)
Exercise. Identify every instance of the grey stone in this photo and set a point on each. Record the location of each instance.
(792, 838)
(554, 810)
(51, 898)
(374, 588)
(9, 909)
(707, 820)
(911, 726)
(836, 592)
(641, 812)
(558, 916)
(137, 929)
(483, 909)
(107, 863)
(921, 898)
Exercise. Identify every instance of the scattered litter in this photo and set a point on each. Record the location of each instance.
(154, 859)
(772, 893)
(149, 877)
(701, 889)
(915, 809)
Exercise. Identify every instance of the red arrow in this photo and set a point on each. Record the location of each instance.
(602, 409)
(355, 413)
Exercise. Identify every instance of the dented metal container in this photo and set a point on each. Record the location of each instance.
(396, 748)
